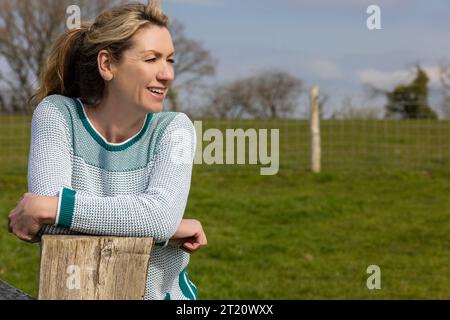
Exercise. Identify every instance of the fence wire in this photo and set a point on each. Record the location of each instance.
(346, 144)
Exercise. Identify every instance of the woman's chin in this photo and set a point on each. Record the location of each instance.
(154, 108)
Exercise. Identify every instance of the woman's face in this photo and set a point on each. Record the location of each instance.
(145, 72)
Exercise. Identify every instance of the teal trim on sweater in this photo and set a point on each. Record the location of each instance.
(137, 192)
(188, 289)
(100, 140)
(67, 208)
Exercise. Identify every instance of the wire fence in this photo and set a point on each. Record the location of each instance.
(345, 144)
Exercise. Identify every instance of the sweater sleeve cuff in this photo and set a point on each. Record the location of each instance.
(162, 243)
(59, 206)
(66, 207)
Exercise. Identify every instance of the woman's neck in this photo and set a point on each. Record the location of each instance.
(114, 121)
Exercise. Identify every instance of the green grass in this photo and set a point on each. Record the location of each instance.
(297, 235)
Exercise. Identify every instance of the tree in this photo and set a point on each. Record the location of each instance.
(267, 95)
(229, 101)
(27, 29)
(275, 94)
(349, 111)
(410, 101)
(220, 104)
(193, 63)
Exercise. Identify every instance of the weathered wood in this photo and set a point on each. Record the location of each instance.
(8, 292)
(93, 268)
(315, 131)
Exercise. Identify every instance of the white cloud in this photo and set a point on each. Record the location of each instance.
(325, 69)
(433, 74)
(386, 80)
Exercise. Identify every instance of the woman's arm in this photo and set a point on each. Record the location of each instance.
(156, 213)
(50, 158)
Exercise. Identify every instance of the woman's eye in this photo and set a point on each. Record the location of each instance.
(172, 61)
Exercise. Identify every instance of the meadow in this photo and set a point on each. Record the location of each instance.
(382, 199)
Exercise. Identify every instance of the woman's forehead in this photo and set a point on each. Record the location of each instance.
(153, 40)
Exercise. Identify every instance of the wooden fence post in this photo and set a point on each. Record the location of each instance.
(315, 130)
(93, 268)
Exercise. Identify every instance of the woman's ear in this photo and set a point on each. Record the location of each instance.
(105, 65)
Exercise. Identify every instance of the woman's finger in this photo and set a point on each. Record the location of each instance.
(185, 250)
(192, 247)
(20, 200)
(202, 239)
(35, 239)
(187, 245)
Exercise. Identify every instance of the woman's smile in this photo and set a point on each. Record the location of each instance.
(158, 93)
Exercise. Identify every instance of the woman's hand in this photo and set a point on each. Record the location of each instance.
(190, 236)
(30, 214)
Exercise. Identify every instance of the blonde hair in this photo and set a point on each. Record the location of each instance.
(71, 66)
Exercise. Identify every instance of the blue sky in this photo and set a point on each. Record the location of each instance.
(323, 42)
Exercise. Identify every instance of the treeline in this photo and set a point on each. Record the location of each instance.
(28, 28)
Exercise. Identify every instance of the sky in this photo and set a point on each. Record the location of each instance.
(323, 42)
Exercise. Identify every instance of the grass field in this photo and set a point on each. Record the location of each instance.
(297, 235)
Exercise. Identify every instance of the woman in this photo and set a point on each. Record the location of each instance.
(103, 159)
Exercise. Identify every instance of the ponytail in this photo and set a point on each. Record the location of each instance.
(60, 73)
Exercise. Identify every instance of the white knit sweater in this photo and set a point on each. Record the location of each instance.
(138, 188)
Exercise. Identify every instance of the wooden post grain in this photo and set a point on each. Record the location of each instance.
(315, 131)
(93, 267)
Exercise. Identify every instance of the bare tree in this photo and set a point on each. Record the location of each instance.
(221, 101)
(230, 101)
(266, 95)
(27, 30)
(193, 63)
(349, 111)
(276, 94)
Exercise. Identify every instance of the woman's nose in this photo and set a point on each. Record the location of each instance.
(166, 73)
